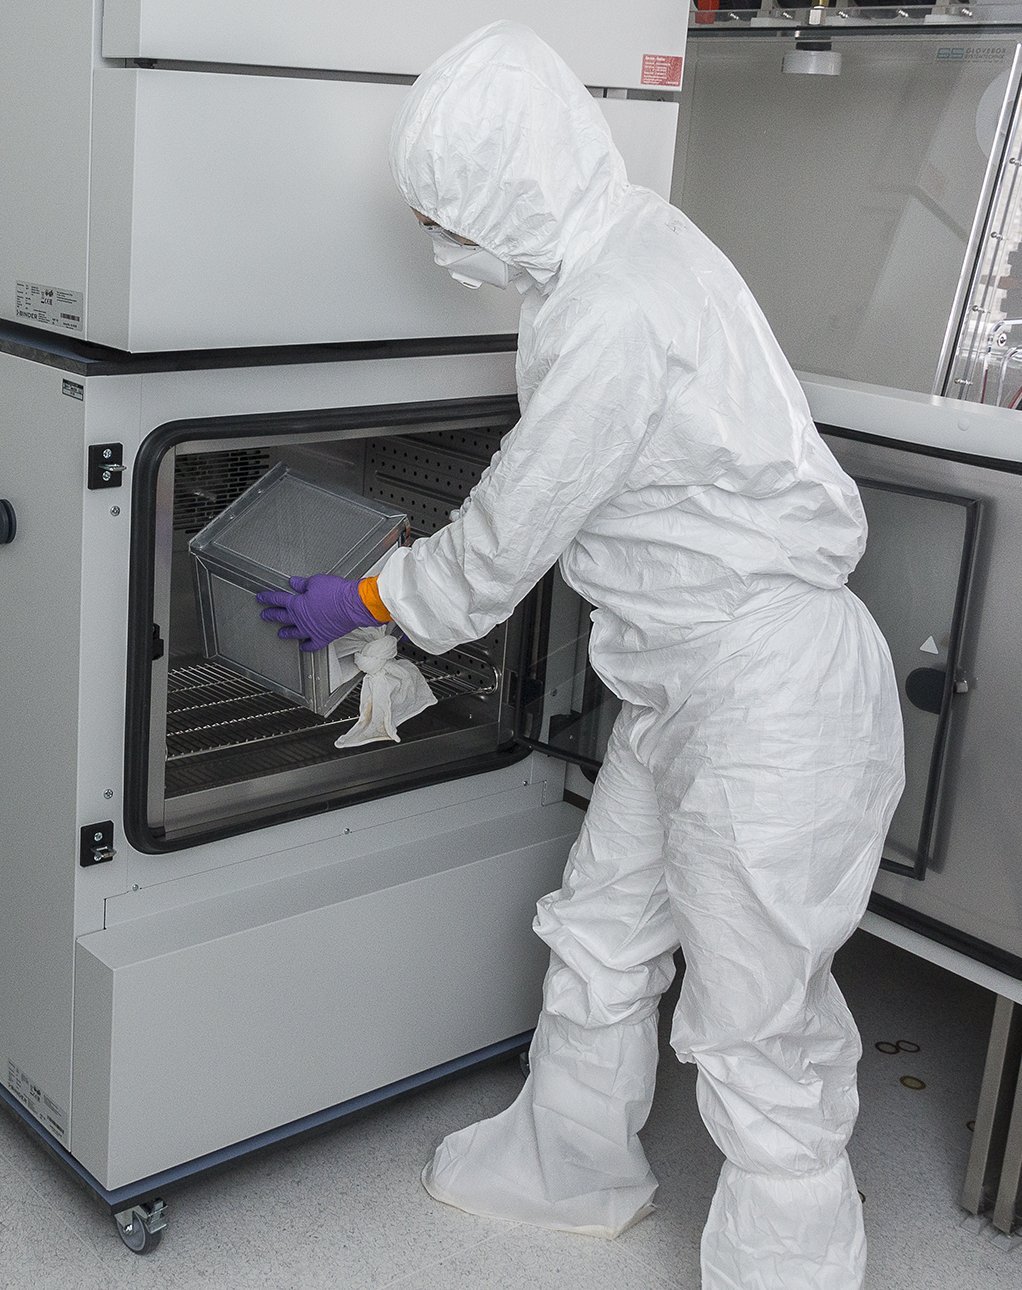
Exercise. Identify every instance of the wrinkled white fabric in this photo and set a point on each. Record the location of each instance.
(393, 689)
(667, 458)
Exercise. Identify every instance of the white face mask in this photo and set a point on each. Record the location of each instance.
(469, 265)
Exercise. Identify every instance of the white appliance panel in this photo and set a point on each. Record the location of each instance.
(278, 1001)
(472, 853)
(233, 210)
(238, 210)
(605, 44)
(153, 209)
(46, 73)
(646, 133)
(39, 734)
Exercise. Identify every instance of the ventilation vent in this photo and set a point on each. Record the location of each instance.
(206, 483)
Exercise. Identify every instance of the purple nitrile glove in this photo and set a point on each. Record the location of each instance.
(318, 611)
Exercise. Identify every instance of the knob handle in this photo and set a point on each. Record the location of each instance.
(8, 522)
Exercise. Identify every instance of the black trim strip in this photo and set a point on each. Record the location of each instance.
(141, 592)
(922, 450)
(86, 359)
(532, 671)
(559, 754)
(949, 31)
(971, 946)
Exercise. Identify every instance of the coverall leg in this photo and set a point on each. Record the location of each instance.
(747, 824)
(777, 799)
(566, 1154)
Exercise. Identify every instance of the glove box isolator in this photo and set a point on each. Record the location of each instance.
(286, 524)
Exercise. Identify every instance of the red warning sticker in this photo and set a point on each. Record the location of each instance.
(661, 69)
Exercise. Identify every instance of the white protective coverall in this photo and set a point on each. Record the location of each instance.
(666, 457)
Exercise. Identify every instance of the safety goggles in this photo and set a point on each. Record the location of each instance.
(439, 234)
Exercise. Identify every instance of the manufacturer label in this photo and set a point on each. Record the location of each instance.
(972, 53)
(73, 390)
(45, 1110)
(661, 69)
(51, 306)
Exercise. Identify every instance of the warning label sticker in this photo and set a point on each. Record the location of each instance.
(661, 69)
(51, 306)
(45, 1110)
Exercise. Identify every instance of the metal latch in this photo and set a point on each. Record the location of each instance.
(106, 465)
(97, 843)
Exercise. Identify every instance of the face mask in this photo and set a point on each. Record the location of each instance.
(469, 265)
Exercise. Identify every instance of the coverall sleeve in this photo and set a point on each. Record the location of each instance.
(571, 451)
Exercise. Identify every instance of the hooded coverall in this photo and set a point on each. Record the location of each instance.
(666, 457)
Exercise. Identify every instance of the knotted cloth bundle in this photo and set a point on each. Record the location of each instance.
(393, 689)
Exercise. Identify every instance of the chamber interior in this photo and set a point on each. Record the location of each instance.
(223, 747)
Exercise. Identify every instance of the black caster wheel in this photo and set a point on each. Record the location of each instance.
(141, 1228)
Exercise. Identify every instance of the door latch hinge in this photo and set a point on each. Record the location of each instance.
(97, 843)
(106, 465)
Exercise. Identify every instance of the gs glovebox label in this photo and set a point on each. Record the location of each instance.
(45, 1110)
(51, 306)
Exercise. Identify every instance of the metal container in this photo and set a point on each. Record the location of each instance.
(285, 524)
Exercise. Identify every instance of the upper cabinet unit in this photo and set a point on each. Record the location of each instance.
(607, 43)
(179, 174)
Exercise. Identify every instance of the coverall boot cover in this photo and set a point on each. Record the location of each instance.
(666, 457)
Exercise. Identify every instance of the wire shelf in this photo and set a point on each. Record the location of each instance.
(211, 710)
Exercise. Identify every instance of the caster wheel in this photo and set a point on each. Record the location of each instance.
(141, 1228)
(523, 1062)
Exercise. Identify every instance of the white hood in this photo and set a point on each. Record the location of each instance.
(524, 165)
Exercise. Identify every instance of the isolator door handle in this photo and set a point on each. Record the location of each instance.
(8, 522)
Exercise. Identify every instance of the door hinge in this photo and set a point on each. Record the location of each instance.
(97, 843)
(531, 689)
(106, 465)
(561, 723)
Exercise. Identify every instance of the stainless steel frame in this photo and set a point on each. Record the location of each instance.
(975, 325)
(993, 1179)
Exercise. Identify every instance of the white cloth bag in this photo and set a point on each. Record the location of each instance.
(393, 689)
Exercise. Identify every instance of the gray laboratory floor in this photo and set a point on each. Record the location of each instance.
(346, 1209)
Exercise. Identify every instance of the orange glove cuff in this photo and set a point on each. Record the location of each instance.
(370, 597)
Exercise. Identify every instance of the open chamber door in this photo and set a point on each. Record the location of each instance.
(914, 578)
(563, 708)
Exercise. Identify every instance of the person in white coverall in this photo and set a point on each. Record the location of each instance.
(666, 457)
